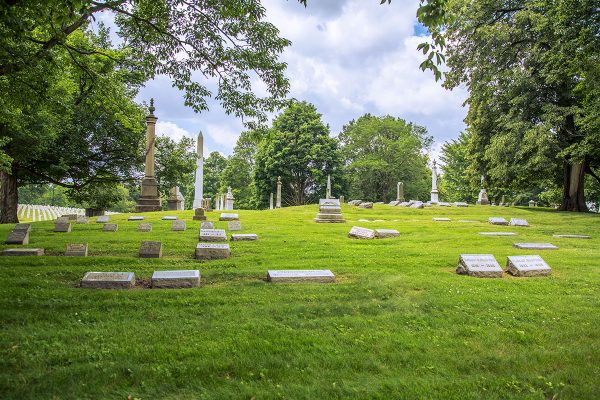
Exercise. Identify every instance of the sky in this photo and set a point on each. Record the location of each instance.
(348, 58)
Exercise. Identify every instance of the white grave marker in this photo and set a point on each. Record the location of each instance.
(323, 275)
(479, 265)
(527, 266)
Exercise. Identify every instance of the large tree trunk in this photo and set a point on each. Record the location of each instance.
(573, 196)
(9, 199)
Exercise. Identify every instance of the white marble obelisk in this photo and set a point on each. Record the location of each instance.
(328, 193)
(278, 200)
(434, 189)
(271, 201)
(199, 183)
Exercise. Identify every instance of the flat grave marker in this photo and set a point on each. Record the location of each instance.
(238, 237)
(497, 221)
(207, 225)
(467, 221)
(461, 204)
(150, 249)
(77, 250)
(135, 218)
(212, 251)
(110, 228)
(573, 236)
(229, 217)
(23, 252)
(535, 246)
(81, 219)
(527, 266)
(62, 227)
(103, 219)
(108, 280)
(518, 222)
(234, 226)
(291, 276)
(498, 233)
(386, 233)
(441, 219)
(19, 234)
(361, 233)
(178, 225)
(170, 218)
(145, 227)
(212, 235)
(479, 265)
(176, 279)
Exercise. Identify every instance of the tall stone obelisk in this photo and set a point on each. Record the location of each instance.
(278, 200)
(400, 192)
(328, 193)
(199, 183)
(434, 189)
(149, 199)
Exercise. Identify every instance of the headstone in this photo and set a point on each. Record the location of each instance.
(361, 233)
(518, 222)
(535, 246)
(441, 219)
(170, 218)
(479, 265)
(404, 204)
(234, 226)
(366, 204)
(59, 227)
(393, 203)
(82, 219)
(497, 233)
(444, 204)
(229, 217)
(199, 214)
(386, 233)
(400, 192)
(71, 217)
(212, 235)
(19, 234)
(145, 227)
(207, 225)
(212, 251)
(229, 199)
(290, 276)
(62, 220)
(103, 219)
(527, 266)
(418, 204)
(77, 250)
(330, 211)
(342, 199)
(23, 252)
(135, 218)
(150, 249)
(573, 236)
(497, 221)
(176, 279)
(108, 280)
(178, 225)
(237, 237)
(110, 227)
(483, 197)
(175, 201)
(531, 203)
(461, 204)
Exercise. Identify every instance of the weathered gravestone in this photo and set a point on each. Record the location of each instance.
(535, 246)
(461, 204)
(573, 236)
(170, 218)
(77, 250)
(498, 233)
(229, 217)
(234, 226)
(108, 280)
(285, 276)
(103, 219)
(145, 227)
(199, 214)
(81, 219)
(176, 279)
(70, 217)
(518, 222)
(207, 225)
(19, 234)
(110, 228)
(62, 227)
(135, 218)
(441, 219)
(497, 221)
(479, 265)
(23, 252)
(418, 204)
(178, 225)
(361, 233)
(62, 220)
(238, 237)
(366, 204)
(212, 251)
(527, 266)
(150, 249)
(386, 233)
(212, 235)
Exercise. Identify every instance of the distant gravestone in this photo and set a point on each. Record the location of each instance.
(178, 225)
(176, 279)
(573, 236)
(19, 234)
(461, 204)
(497, 221)
(135, 218)
(77, 250)
(386, 233)
(366, 204)
(498, 233)
(418, 204)
(145, 227)
(535, 246)
(62, 227)
(212, 251)
(393, 203)
(527, 266)
(110, 227)
(243, 237)
(212, 235)
(229, 217)
(62, 220)
(444, 204)
(479, 265)
(361, 233)
(23, 252)
(150, 249)
(441, 219)
(234, 226)
(364, 220)
(466, 220)
(70, 217)
(199, 214)
(108, 280)
(518, 222)
(290, 276)
(169, 218)
(207, 225)
(81, 219)
(103, 219)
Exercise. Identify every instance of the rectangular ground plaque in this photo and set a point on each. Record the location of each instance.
(238, 237)
(361, 233)
(527, 266)
(212, 235)
(110, 227)
(441, 219)
(479, 265)
(573, 236)
(229, 217)
(170, 218)
(234, 226)
(498, 233)
(108, 280)
(135, 218)
(23, 252)
(149, 249)
(60, 227)
(323, 275)
(103, 219)
(518, 222)
(497, 221)
(145, 227)
(386, 233)
(77, 250)
(535, 246)
(207, 225)
(461, 204)
(176, 279)
(212, 251)
(178, 225)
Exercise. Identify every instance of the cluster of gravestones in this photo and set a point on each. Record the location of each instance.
(408, 204)
(46, 213)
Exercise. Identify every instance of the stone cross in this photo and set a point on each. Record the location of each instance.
(278, 203)
(199, 182)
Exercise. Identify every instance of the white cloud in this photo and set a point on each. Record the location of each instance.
(171, 130)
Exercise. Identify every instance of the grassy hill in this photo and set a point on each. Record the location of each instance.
(397, 324)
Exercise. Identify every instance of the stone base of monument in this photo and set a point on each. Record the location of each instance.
(290, 276)
(212, 251)
(524, 266)
(479, 266)
(173, 204)
(176, 279)
(199, 215)
(108, 280)
(330, 211)
(23, 252)
(329, 218)
(148, 204)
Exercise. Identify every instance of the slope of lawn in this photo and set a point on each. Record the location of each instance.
(397, 324)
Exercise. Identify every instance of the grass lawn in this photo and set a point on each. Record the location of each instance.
(397, 324)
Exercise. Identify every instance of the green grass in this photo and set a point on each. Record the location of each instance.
(398, 324)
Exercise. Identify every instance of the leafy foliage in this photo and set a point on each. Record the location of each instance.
(175, 164)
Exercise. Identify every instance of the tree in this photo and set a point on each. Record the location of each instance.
(298, 148)
(239, 171)
(214, 165)
(381, 151)
(100, 196)
(460, 182)
(175, 164)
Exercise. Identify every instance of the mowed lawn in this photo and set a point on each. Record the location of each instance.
(399, 323)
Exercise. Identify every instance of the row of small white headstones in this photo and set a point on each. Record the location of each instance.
(37, 212)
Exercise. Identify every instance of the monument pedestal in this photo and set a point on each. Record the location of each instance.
(149, 199)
